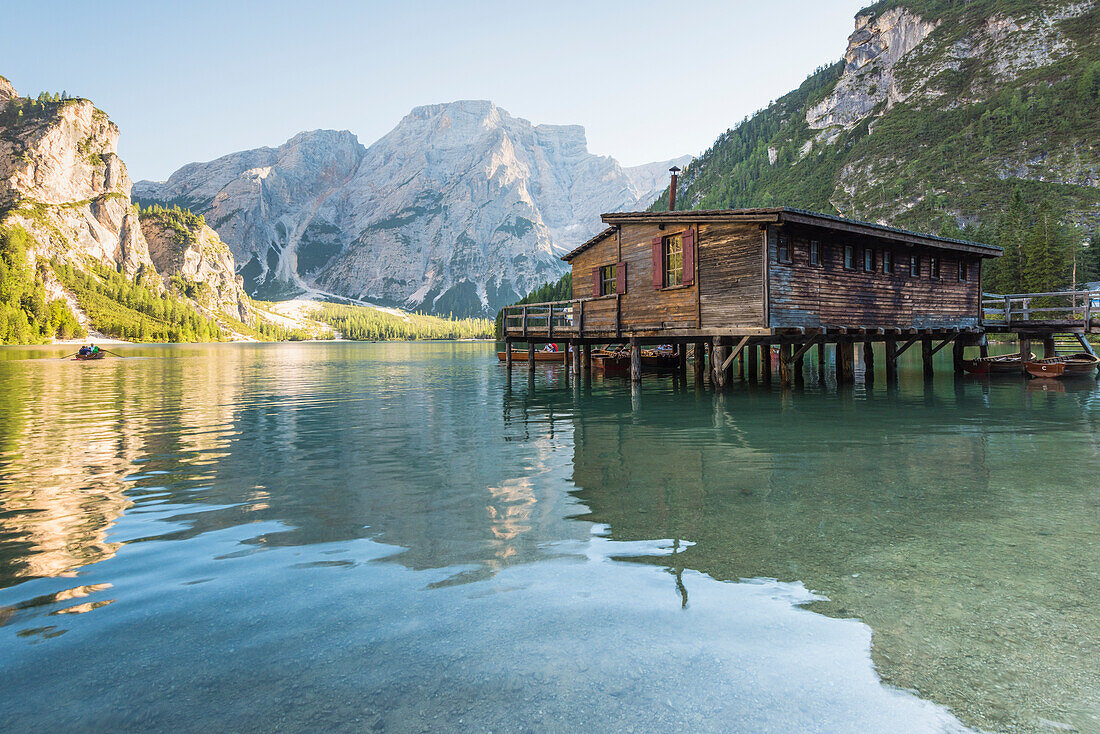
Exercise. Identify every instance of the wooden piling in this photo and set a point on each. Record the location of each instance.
(891, 359)
(508, 353)
(821, 363)
(682, 359)
(1025, 351)
(698, 361)
(753, 369)
(958, 349)
(799, 366)
(845, 358)
(1049, 350)
(766, 363)
(926, 356)
(785, 365)
(635, 360)
(588, 359)
(717, 357)
(531, 357)
(868, 361)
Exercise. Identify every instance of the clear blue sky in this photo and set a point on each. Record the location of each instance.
(195, 79)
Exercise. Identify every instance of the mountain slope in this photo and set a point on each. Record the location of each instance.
(937, 115)
(461, 208)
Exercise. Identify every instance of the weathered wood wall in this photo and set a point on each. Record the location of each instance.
(731, 275)
(801, 294)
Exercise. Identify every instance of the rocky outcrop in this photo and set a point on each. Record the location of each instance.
(185, 247)
(878, 43)
(61, 179)
(460, 209)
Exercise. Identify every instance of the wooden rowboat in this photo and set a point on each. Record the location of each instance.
(1073, 365)
(89, 357)
(1001, 364)
(520, 355)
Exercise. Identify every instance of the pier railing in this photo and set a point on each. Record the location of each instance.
(563, 318)
(1070, 308)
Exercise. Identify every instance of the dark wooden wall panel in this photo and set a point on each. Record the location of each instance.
(731, 275)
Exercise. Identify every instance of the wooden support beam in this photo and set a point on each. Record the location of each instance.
(588, 359)
(1049, 350)
(1025, 350)
(508, 353)
(983, 346)
(798, 365)
(682, 359)
(785, 365)
(926, 356)
(576, 358)
(945, 342)
(753, 368)
(698, 361)
(845, 356)
(766, 363)
(530, 357)
(821, 361)
(736, 351)
(868, 360)
(806, 347)
(906, 345)
(957, 356)
(718, 364)
(891, 359)
(635, 360)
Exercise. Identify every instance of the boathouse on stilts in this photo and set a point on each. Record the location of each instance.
(731, 286)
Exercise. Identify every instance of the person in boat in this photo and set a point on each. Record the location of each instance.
(551, 347)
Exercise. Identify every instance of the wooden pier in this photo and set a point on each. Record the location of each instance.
(734, 287)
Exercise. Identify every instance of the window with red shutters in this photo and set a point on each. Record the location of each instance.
(658, 263)
(620, 278)
(689, 257)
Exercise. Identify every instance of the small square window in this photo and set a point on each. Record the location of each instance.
(849, 257)
(783, 249)
(607, 280)
(933, 267)
(964, 270)
(868, 260)
(815, 252)
(674, 260)
(888, 262)
(914, 266)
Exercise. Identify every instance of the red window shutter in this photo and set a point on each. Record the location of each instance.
(595, 281)
(689, 256)
(620, 278)
(658, 264)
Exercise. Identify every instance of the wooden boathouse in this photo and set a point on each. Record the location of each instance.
(736, 283)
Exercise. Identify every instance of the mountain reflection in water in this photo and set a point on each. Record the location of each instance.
(348, 536)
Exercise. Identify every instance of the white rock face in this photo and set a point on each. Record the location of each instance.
(877, 44)
(200, 256)
(460, 209)
(60, 171)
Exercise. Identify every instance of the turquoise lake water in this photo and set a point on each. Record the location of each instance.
(397, 537)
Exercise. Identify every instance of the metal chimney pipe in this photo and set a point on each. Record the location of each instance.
(672, 189)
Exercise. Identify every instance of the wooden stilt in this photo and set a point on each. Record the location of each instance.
(785, 365)
(588, 359)
(891, 359)
(1049, 350)
(799, 366)
(983, 346)
(868, 361)
(1025, 350)
(508, 353)
(821, 363)
(682, 359)
(766, 363)
(957, 351)
(698, 361)
(845, 357)
(741, 365)
(753, 371)
(717, 358)
(635, 360)
(531, 357)
(926, 356)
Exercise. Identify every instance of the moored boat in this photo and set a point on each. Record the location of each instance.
(1073, 365)
(520, 355)
(1001, 364)
(652, 360)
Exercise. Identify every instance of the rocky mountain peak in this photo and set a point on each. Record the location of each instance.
(7, 91)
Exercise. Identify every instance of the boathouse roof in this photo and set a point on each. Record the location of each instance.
(785, 214)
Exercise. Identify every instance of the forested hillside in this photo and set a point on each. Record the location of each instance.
(977, 119)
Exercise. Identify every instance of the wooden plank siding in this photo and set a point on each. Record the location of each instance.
(805, 295)
(731, 275)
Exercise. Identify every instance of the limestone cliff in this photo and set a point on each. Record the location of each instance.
(184, 248)
(62, 180)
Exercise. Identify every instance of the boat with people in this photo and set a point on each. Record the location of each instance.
(1081, 364)
(520, 355)
(653, 360)
(89, 352)
(1002, 364)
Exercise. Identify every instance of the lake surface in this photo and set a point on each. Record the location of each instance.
(396, 537)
